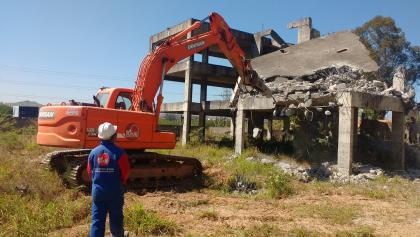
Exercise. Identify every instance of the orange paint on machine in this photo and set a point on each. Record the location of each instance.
(135, 112)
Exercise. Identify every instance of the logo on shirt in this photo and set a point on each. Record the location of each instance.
(103, 159)
(132, 131)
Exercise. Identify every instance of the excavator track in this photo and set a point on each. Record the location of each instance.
(148, 169)
(153, 170)
(70, 165)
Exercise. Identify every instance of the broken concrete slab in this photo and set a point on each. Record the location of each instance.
(338, 49)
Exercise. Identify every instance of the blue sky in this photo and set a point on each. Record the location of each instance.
(52, 51)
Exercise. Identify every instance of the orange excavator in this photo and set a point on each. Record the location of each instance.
(136, 113)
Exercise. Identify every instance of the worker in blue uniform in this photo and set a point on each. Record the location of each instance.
(109, 167)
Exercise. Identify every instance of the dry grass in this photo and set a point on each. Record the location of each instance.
(208, 214)
(332, 213)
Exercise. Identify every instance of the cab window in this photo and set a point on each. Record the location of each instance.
(123, 101)
(103, 99)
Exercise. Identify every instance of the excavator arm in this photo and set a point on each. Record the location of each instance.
(157, 63)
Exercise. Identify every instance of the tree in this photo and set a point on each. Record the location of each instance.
(389, 48)
(5, 109)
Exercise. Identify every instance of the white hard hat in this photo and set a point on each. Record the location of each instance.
(106, 130)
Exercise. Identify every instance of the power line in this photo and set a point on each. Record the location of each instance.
(68, 86)
(38, 96)
(73, 75)
(67, 74)
(24, 83)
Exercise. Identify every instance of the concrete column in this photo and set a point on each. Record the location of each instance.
(269, 128)
(305, 30)
(398, 141)
(186, 125)
(239, 131)
(355, 132)
(286, 129)
(346, 139)
(203, 99)
(304, 27)
(232, 127)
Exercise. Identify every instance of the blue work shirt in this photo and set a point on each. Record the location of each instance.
(108, 165)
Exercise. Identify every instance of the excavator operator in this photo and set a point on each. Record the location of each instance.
(109, 167)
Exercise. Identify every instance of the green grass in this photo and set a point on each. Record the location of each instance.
(209, 155)
(264, 176)
(28, 216)
(33, 201)
(144, 223)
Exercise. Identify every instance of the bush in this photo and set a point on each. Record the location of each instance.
(279, 185)
(143, 222)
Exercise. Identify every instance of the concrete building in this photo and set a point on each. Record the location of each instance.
(203, 73)
(344, 49)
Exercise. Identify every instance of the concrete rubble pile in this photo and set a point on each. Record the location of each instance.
(321, 87)
(313, 72)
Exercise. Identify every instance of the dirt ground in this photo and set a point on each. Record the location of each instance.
(231, 214)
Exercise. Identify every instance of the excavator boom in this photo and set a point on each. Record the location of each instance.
(158, 62)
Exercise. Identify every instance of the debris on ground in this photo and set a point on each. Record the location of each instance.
(327, 171)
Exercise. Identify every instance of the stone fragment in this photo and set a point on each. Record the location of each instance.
(308, 103)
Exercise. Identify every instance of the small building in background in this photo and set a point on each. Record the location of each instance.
(25, 111)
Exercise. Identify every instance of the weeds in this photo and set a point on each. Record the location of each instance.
(279, 185)
(143, 222)
(23, 176)
(27, 216)
(33, 201)
(10, 141)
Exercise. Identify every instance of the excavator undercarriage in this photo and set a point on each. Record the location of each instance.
(148, 169)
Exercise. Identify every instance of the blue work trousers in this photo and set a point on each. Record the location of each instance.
(99, 210)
